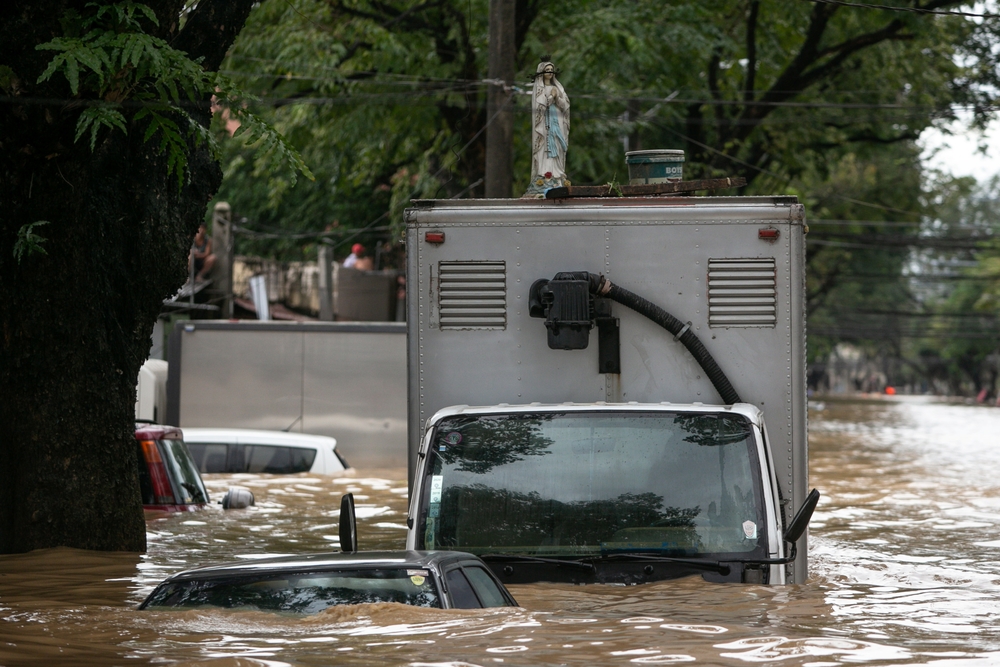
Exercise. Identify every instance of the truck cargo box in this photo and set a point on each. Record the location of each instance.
(730, 268)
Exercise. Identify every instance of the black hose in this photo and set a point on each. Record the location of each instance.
(601, 286)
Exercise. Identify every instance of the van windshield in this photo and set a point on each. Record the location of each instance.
(583, 484)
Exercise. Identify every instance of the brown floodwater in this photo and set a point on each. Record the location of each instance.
(904, 569)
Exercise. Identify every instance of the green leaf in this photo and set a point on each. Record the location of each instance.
(29, 243)
(147, 12)
(73, 73)
(116, 59)
(95, 118)
(52, 68)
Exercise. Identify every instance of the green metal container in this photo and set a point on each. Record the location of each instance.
(656, 166)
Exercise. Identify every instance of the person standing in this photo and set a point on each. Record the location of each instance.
(356, 250)
(364, 261)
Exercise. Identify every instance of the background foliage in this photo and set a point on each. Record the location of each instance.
(386, 101)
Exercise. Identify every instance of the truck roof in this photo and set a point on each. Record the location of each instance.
(590, 202)
(748, 410)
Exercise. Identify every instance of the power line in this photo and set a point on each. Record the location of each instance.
(278, 234)
(914, 10)
(776, 176)
(927, 277)
(898, 246)
(873, 333)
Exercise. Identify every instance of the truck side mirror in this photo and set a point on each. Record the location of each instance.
(801, 520)
(348, 525)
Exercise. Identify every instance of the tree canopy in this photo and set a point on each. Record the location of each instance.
(824, 100)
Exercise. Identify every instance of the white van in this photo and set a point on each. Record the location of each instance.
(278, 452)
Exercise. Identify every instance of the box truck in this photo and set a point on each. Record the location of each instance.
(673, 444)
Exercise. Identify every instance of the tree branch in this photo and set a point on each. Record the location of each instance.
(211, 29)
(713, 87)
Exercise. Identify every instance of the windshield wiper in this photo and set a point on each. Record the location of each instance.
(519, 558)
(196, 495)
(698, 563)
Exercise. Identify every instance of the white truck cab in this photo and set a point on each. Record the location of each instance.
(644, 456)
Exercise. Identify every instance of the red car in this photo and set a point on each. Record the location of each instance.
(168, 478)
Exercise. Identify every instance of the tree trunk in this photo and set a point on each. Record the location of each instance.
(76, 321)
(500, 104)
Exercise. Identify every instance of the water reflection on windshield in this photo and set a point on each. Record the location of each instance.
(595, 483)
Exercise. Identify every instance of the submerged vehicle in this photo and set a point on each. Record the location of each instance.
(309, 584)
(249, 450)
(644, 457)
(168, 478)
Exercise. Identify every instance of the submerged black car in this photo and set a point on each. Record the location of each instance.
(311, 583)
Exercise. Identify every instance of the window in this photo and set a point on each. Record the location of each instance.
(485, 586)
(145, 482)
(273, 459)
(187, 483)
(209, 457)
(301, 593)
(462, 595)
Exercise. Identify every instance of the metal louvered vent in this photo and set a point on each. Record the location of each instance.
(742, 293)
(472, 295)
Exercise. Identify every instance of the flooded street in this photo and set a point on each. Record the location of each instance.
(904, 569)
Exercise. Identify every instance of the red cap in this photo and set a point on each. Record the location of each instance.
(356, 248)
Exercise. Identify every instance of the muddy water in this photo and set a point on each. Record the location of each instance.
(904, 569)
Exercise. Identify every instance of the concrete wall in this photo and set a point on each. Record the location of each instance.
(347, 381)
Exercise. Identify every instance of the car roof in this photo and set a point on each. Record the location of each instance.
(156, 432)
(332, 561)
(259, 436)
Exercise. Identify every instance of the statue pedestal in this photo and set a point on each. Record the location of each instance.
(540, 184)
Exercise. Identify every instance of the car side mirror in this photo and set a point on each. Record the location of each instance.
(802, 517)
(348, 525)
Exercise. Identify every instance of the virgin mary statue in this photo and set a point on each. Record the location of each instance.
(549, 130)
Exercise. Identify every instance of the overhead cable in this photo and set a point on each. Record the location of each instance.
(901, 8)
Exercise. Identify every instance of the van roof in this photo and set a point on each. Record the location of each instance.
(257, 437)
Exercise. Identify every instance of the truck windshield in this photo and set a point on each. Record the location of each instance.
(584, 484)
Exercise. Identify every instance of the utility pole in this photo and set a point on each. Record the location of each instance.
(500, 101)
(222, 246)
(325, 261)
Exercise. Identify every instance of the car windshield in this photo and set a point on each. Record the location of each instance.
(301, 593)
(187, 480)
(583, 484)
